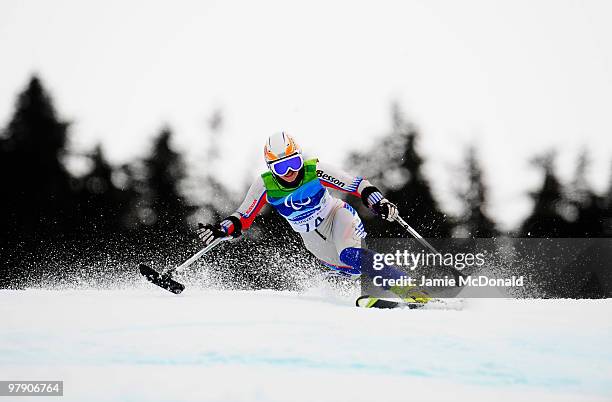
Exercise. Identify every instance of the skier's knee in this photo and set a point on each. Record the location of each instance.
(363, 260)
(358, 258)
(351, 256)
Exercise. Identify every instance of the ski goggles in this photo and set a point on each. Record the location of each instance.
(283, 166)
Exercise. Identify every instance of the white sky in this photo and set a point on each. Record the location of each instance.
(515, 77)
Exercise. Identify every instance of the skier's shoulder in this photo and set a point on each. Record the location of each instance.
(258, 182)
(326, 171)
(336, 178)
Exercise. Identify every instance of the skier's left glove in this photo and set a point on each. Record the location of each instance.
(209, 233)
(386, 209)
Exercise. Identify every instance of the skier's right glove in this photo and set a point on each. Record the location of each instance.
(373, 198)
(208, 233)
(386, 209)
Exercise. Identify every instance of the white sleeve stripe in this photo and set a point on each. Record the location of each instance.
(374, 198)
(354, 184)
(225, 224)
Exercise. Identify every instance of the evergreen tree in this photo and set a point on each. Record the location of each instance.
(580, 189)
(608, 210)
(167, 209)
(475, 222)
(104, 206)
(37, 196)
(217, 201)
(589, 207)
(396, 167)
(547, 218)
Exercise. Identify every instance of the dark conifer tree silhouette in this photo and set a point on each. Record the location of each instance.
(547, 218)
(217, 201)
(589, 207)
(396, 167)
(37, 195)
(475, 221)
(167, 209)
(104, 206)
(608, 210)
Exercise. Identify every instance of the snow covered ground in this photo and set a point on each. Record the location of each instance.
(148, 345)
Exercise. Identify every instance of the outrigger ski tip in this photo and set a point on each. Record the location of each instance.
(163, 281)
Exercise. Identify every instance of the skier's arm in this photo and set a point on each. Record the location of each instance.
(358, 186)
(244, 216)
(240, 220)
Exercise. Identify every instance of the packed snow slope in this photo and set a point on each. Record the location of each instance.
(149, 345)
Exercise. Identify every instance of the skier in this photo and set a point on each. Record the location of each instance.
(298, 189)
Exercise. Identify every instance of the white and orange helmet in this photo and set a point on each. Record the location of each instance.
(282, 154)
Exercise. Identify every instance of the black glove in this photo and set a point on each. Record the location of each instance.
(386, 209)
(208, 233)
